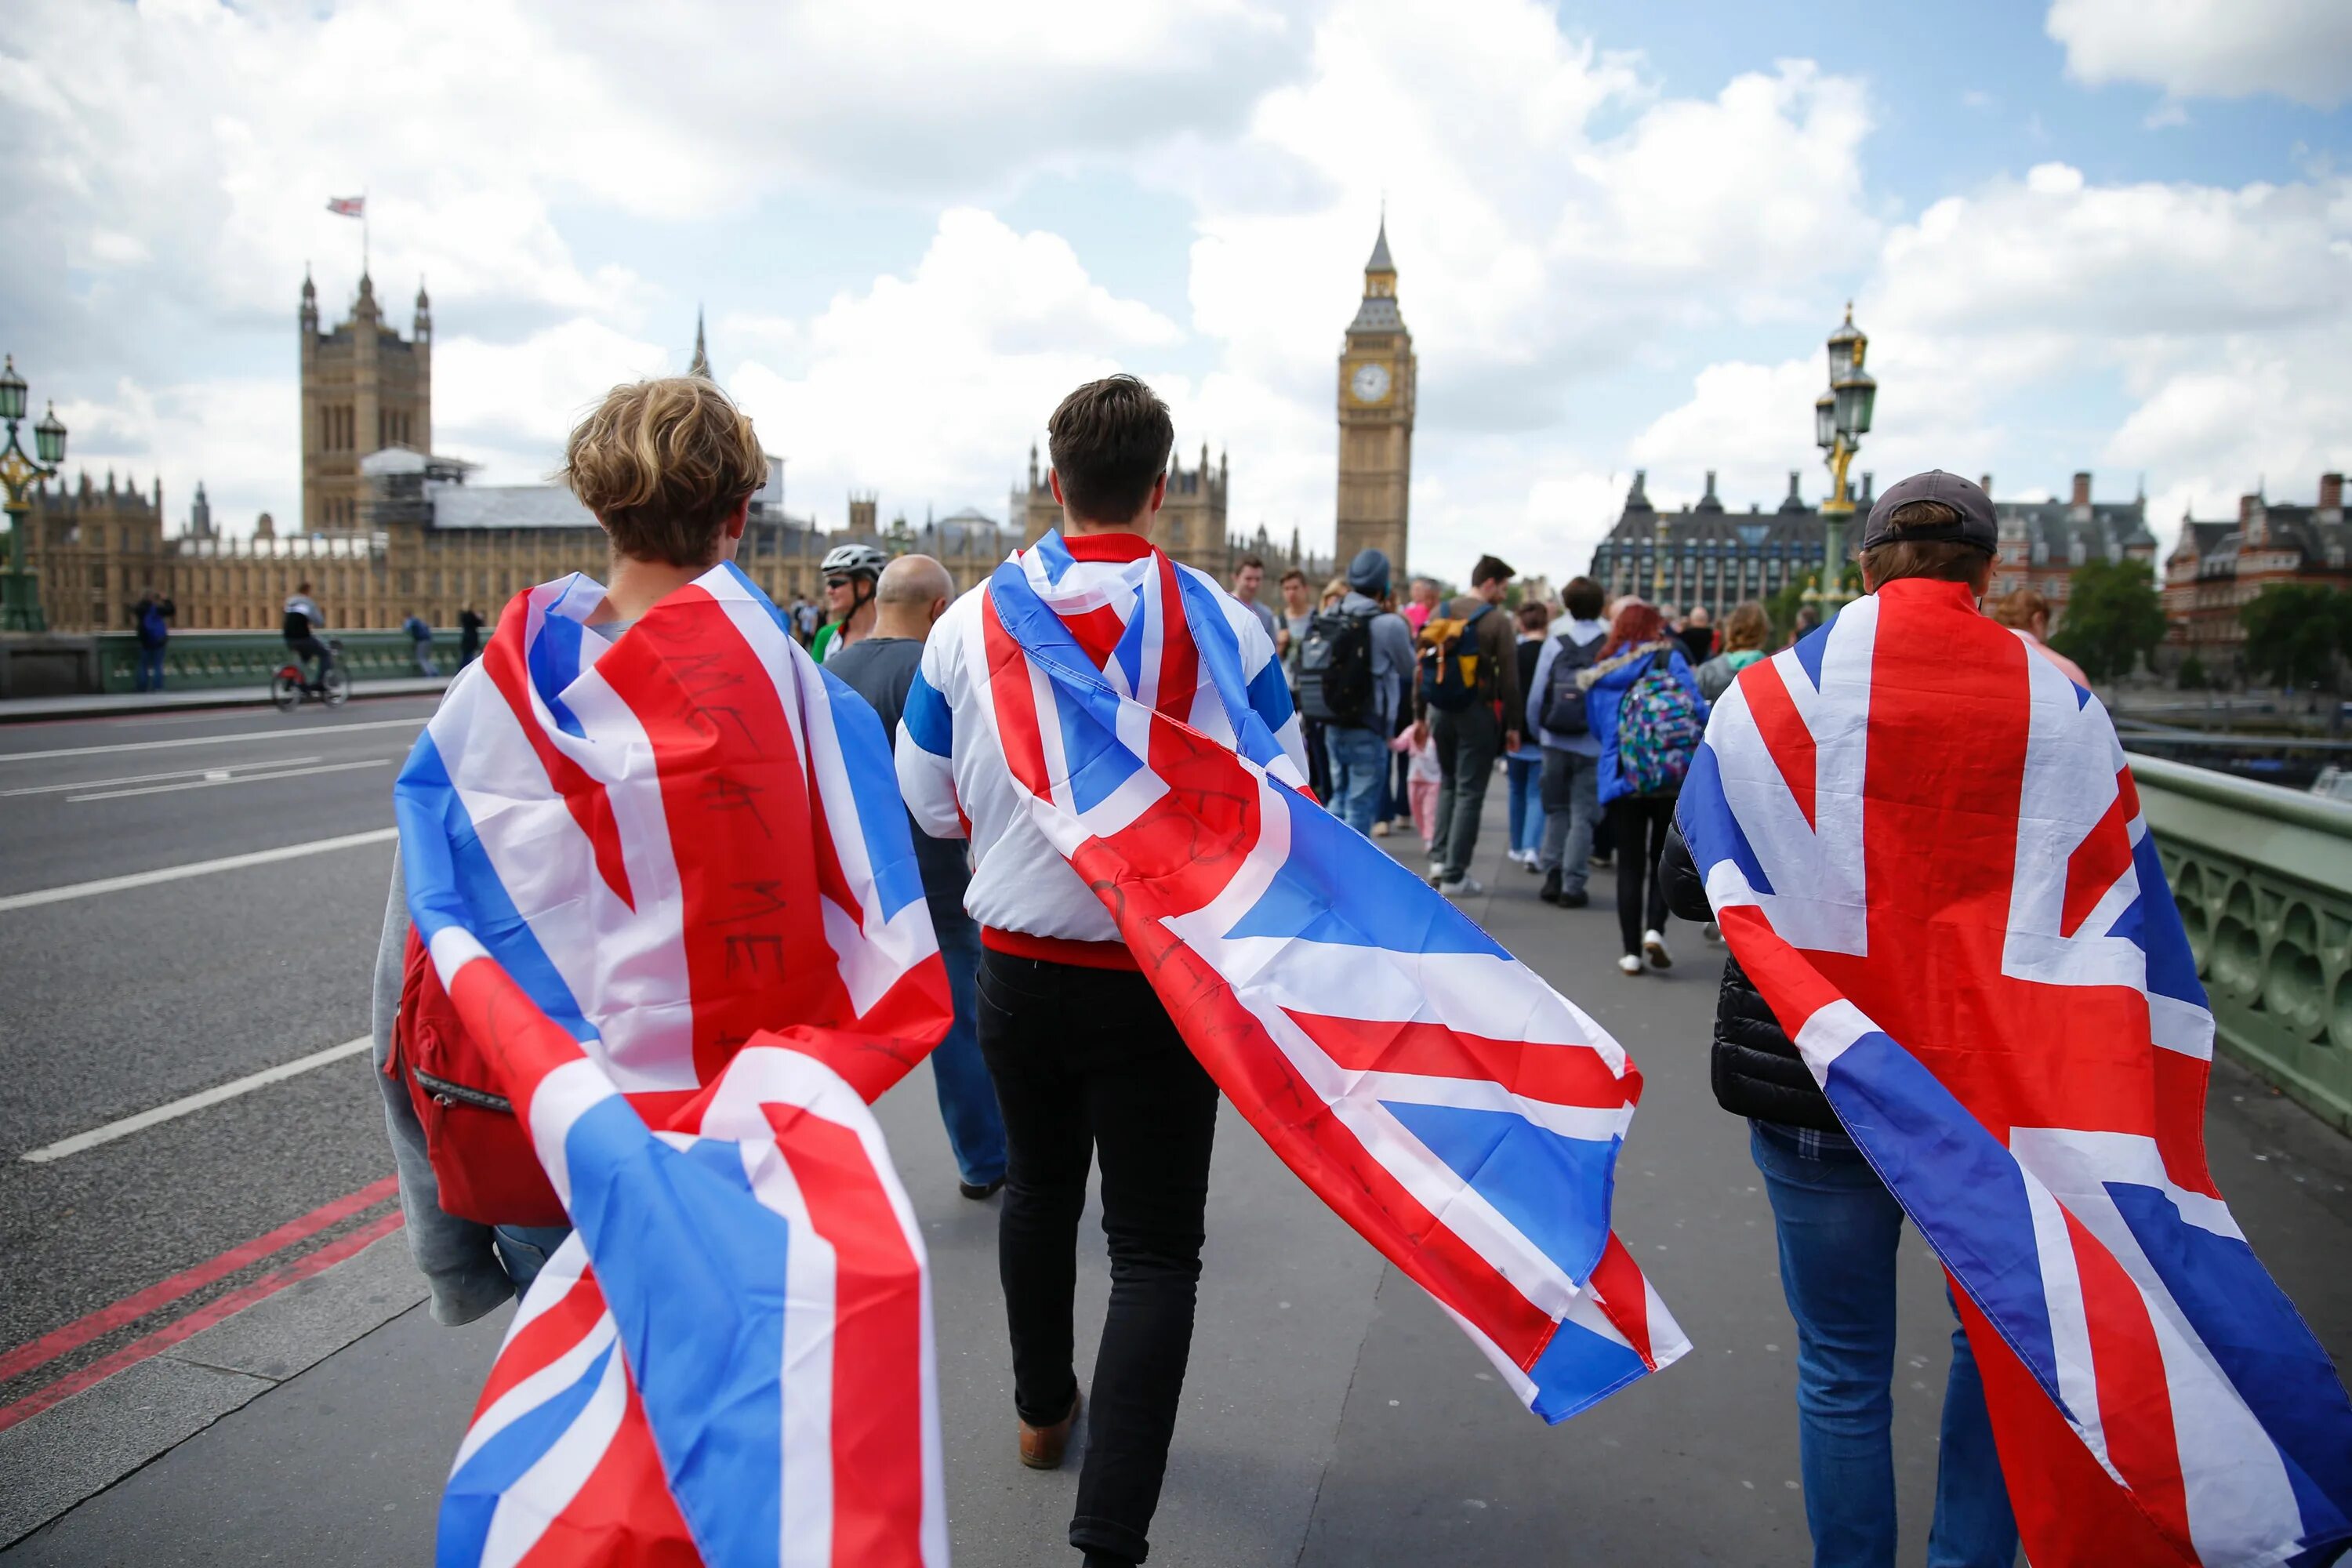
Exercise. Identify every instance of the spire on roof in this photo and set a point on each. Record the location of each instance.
(1380, 261)
(700, 365)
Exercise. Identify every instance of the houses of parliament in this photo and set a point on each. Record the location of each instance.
(388, 528)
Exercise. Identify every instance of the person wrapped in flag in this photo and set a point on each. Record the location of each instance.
(668, 944)
(1166, 912)
(1923, 844)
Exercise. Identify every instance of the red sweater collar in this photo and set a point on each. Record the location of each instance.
(1107, 546)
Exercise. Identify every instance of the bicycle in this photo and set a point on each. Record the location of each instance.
(288, 691)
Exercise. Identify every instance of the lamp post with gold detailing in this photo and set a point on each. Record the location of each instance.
(20, 592)
(1841, 418)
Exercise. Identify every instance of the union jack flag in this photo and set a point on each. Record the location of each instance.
(1923, 844)
(1462, 1115)
(347, 206)
(667, 883)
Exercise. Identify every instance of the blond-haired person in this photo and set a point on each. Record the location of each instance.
(668, 467)
(2027, 614)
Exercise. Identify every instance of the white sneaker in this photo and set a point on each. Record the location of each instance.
(1653, 946)
(1437, 868)
(1462, 888)
(1527, 863)
(1629, 964)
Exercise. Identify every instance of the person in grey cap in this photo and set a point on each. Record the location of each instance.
(1353, 666)
(1838, 1226)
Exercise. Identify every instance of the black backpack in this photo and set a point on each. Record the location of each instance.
(1563, 708)
(1335, 667)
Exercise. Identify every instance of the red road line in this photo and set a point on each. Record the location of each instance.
(203, 1317)
(74, 1335)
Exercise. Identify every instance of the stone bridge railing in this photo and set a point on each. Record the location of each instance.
(2263, 879)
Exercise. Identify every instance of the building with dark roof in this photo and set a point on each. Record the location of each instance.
(1705, 553)
(2042, 541)
(2216, 568)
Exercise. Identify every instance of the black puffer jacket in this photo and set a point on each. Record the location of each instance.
(1755, 1069)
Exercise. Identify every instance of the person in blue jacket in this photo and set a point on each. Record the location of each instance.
(1643, 707)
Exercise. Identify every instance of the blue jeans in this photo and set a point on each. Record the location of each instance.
(967, 1098)
(1839, 1227)
(524, 1250)
(1523, 771)
(151, 668)
(1359, 766)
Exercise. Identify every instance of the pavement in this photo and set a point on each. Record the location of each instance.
(1332, 1416)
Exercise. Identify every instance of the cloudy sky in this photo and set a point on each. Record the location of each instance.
(2113, 234)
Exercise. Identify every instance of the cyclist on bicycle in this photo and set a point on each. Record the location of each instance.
(850, 572)
(302, 623)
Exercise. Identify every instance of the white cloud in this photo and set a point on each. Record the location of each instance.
(2300, 49)
(1554, 217)
(933, 384)
(244, 429)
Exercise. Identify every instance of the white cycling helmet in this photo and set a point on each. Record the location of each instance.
(852, 560)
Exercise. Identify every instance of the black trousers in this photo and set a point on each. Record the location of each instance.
(1641, 822)
(1086, 1061)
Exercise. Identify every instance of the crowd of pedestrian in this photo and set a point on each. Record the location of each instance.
(1062, 1052)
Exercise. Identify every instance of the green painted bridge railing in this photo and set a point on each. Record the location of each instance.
(200, 662)
(2263, 879)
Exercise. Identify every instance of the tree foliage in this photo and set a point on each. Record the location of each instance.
(2191, 676)
(2295, 630)
(2113, 617)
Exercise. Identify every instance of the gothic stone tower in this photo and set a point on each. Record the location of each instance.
(1377, 370)
(363, 389)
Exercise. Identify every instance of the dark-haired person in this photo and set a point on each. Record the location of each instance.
(1556, 717)
(1249, 581)
(1523, 764)
(301, 629)
(1838, 1224)
(668, 521)
(1468, 740)
(1086, 1061)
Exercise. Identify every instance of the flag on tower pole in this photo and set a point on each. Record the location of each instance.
(353, 206)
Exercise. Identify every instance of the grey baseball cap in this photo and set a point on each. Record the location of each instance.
(1976, 525)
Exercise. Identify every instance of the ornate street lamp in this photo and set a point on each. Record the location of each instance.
(1841, 418)
(20, 592)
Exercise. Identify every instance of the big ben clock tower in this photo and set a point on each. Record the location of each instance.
(1376, 398)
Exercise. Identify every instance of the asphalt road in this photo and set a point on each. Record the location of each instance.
(120, 1001)
(1332, 1416)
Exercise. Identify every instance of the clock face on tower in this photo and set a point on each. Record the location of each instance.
(1369, 384)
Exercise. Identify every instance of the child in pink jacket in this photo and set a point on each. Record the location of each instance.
(1421, 781)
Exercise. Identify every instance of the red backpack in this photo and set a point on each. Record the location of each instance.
(481, 1152)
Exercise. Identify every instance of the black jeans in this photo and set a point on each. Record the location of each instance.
(1640, 822)
(1086, 1061)
(312, 648)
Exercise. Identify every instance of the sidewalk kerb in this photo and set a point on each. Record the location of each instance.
(80, 1446)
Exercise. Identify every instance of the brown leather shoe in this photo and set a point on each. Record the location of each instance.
(1042, 1447)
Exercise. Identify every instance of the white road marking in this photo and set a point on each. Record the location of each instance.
(222, 776)
(304, 734)
(179, 1107)
(155, 778)
(194, 869)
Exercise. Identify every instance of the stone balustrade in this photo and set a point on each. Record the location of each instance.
(2263, 879)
